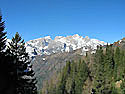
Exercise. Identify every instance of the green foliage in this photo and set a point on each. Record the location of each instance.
(22, 69)
(4, 64)
(109, 70)
(2, 35)
(99, 79)
(105, 71)
(71, 79)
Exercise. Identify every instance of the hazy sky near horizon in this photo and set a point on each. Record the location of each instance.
(100, 19)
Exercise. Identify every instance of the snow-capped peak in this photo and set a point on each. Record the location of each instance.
(61, 44)
(47, 37)
(76, 35)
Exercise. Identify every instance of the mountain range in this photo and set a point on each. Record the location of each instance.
(47, 46)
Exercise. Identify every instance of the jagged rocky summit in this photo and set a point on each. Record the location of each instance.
(47, 46)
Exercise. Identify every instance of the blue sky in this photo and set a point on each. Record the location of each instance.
(101, 19)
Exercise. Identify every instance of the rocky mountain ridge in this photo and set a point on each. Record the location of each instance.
(47, 46)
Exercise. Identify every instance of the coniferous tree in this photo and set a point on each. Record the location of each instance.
(81, 76)
(117, 63)
(2, 35)
(22, 69)
(108, 70)
(123, 73)
(2, 56)
(63, 79)
(99, 72)
(5, 77)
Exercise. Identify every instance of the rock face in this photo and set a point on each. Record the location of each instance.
(47, 46)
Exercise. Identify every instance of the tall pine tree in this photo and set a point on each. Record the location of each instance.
(99, 72)
(24, 75)
(6, 83)
(4, 73)
(2, 35)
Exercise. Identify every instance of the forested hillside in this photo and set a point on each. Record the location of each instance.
(99, 73)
